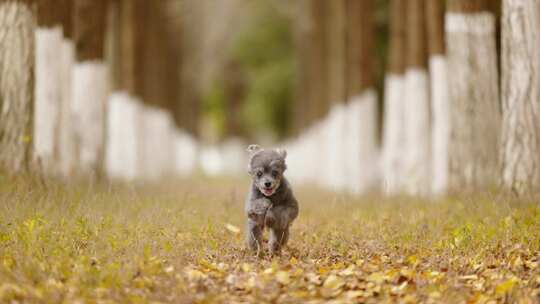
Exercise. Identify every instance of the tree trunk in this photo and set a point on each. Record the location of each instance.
(17, 24)
(337, 50)
(90, 83)
(313, 99)
(417, 109)
(394, 106)
(335, 122)
(439, 97)
(521, 96)
(312, 50)
(361, 111)
(48, 83)
(191, 62)
(303, 109)
(66, 131)
(123, 107)
(473, 92)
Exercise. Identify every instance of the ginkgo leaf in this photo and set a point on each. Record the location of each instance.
(269, 270)
(376, 277)
(333, 282)
(468, 277)
(232, 228)
(283, 277)
(169, 269)
(506, 286)
(194, 274)
(353, 294)
(246, 267)
(348, 271)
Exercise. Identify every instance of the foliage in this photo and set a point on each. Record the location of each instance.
(214, 107)
(265, 51)
(181, 243)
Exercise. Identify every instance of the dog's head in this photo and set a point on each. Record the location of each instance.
(266, 167)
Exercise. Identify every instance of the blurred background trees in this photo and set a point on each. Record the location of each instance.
(398, 96)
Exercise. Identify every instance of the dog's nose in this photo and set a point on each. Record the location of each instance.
(267, 184)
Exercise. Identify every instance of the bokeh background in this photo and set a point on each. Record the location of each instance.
(419, 97)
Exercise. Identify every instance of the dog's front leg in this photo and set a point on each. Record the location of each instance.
(256, 212)
(254, 235)
(278, 238)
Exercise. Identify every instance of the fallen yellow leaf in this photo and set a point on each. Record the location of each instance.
(194, 274)
(333, 282)
(348, 271)
(506, 286)
(232, 228)
(323, 270)
(353, 294)
(283, 277)
(468, 277)
(246, 267)
(376, 277)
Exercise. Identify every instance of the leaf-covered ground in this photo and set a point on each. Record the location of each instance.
(183, 243)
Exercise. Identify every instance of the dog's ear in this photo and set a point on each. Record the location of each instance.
(282, 152)
(252, 149)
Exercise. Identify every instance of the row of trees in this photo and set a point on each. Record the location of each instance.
(71, 71)
(461, 95)
(93, 84)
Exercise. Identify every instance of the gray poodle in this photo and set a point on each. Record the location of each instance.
(270, 201)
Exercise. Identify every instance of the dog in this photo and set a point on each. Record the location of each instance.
(270, 201)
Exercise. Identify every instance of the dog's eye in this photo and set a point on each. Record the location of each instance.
(275, 173)
(259, 173)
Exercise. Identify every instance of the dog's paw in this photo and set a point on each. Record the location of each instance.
(274, 248)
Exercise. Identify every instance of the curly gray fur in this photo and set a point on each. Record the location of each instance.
(270, 202)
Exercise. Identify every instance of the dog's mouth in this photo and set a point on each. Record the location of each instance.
(267, 191)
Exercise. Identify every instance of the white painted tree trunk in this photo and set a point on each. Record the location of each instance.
(305, 156)
(521, 95)
(66, 139)
(394, 134)
(89, 97)
(473, 94)
(361, 159)
(340, 152)
(156, 145)
(122, 159)
(318, 143)
(233, 151)
(335, 146)
(441, 124)
(417, 132)
(211, 160)
(17, 25)
(313, 154)
(186, 151)
(48, 96)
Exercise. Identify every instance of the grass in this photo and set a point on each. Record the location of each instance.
(183, 243)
